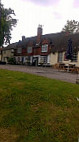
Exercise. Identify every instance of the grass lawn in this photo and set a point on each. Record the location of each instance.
(37, 109)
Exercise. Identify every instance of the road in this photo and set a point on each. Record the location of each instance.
(48, 72)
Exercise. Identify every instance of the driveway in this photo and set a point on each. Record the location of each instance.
(48, 72)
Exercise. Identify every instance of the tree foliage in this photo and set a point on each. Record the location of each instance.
(71, 26)
(7, 22)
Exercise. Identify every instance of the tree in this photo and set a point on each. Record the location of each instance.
(71, 26)
(7, 22)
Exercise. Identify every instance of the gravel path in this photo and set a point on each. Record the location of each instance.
(43, 71)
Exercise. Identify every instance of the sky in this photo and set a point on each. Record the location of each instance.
(51, 14)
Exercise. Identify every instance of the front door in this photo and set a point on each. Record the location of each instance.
(35, 61)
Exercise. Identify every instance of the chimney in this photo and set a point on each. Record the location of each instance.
(39, 30)
(23, 38)
(39, 33)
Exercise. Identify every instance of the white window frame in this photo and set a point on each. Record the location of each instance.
(29, 49)
(19, 50)
(75, 57)
(43, 59)
(44, 48)
(12, 50)
(60, 56)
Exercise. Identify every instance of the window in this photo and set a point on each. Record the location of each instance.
(4, 52)
(12, 50)
(75, 55)
(19, 50)
(43, 59)
(60, 56)
(45, 48)
(29, 49)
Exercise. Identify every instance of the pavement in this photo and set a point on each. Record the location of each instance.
(48, 72)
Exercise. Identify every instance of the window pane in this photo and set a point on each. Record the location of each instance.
(75, 55)
(19, 50)
(29, 50)
(60, 55)
(45, 48)
(43, 59)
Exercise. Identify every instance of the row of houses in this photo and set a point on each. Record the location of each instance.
(46, 49)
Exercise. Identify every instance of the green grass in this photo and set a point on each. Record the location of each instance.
(37, 109)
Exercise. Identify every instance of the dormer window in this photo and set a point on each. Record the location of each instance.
(29, 49)
(44, 48)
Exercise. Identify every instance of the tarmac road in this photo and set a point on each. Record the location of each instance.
(48, 72)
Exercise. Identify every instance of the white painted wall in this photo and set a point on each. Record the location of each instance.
(48, 59)
(78, 60)
(53, 58)
(7, 53)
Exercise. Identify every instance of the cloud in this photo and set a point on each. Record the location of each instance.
(57, 15)
(44, 2)
(76, 3)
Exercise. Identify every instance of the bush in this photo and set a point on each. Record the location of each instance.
(12, 60)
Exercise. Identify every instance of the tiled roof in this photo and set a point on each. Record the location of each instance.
(58, 40)
(10, 46)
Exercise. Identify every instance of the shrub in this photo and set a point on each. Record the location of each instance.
(12, 60)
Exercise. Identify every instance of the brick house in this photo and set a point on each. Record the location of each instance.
(34, 50)
(42, 49)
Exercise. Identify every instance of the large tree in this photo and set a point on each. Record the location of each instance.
(7, 22)
(71, 26)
